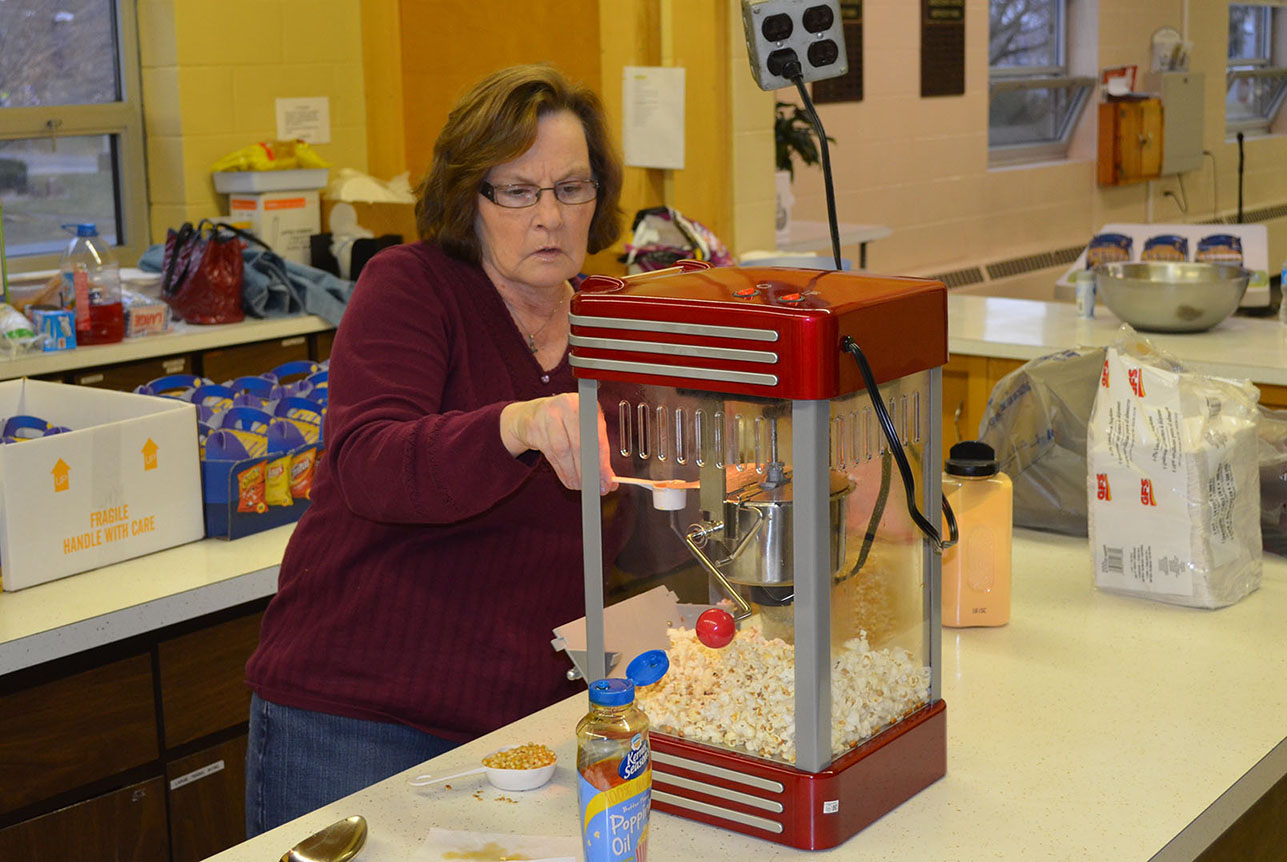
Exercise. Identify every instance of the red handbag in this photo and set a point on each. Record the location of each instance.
(202, 273)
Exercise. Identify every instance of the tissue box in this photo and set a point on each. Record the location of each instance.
(379, 217)
(122, 483)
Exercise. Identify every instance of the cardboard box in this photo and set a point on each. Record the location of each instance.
(284, 220)
(379, 218)
(122, 483)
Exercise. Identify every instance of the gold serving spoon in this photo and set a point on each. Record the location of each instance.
(338, 842)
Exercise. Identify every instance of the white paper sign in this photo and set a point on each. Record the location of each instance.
(653, 116)
(304, 119)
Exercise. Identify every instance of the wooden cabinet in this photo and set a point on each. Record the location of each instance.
(75, 730)
(203, 686)
(249, 359)
(207, 801)
(967, 383)
(322, 342)
(127, 825)
(127, 375)
(1130, 141)
(1273, 397)
(91, 746)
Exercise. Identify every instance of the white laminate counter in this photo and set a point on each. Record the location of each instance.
(1250, 347)
(183, 338)
(105, 605)
(1092, 727)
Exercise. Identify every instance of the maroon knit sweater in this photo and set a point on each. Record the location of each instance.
(422, 584)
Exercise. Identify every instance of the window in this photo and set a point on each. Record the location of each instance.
(1033, 102)
(1256, 80)
(71, 129)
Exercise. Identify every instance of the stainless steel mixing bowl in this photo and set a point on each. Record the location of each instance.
(1169, 296)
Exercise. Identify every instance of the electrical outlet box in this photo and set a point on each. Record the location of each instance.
(1183, 95)
(807, 32)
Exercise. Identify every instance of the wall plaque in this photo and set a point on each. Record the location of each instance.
(942, 47)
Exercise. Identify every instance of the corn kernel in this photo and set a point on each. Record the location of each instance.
(531, 755)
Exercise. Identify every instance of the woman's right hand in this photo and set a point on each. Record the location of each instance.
(552, 427)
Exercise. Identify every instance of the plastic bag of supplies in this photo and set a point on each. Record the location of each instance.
(1173, 481)
(1036, 423)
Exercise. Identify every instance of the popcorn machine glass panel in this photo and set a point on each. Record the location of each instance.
(730, 545)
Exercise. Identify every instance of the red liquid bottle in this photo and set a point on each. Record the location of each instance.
(92, 286)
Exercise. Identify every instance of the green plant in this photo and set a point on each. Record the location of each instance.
(793, 134)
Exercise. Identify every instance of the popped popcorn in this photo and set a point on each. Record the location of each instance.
(743, 696)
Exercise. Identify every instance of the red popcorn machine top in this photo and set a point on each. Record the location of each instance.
(788, 554)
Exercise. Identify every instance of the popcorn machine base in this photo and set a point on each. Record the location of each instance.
(781, 804)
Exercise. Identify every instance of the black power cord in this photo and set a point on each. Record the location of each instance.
(935, 538)
(791, 71)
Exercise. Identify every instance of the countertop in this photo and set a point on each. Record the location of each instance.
(95, 608)
(182, 338)
(1250, 347)
(1093, 726)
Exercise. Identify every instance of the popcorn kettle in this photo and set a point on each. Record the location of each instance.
(754, 538)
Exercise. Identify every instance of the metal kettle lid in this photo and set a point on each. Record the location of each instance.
(756, 492)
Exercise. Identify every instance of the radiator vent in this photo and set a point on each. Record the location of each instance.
(959, 277)
(1258, 215)
(1033, 262)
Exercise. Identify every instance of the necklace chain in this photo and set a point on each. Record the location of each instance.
(531, 334)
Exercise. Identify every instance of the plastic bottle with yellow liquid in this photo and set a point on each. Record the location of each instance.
(614, 763)
(976, 571)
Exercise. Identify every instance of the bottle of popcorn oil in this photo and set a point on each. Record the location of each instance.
(615, 765)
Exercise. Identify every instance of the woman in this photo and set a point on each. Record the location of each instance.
(417, 595)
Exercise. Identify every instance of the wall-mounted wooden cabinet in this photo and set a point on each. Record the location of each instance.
(1130, 141)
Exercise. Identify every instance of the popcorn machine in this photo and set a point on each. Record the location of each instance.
(800, 507)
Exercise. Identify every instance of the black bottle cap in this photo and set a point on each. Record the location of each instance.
(972, 458)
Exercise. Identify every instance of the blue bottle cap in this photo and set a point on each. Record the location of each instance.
(85, 229)
(612, 692)
(648, 667)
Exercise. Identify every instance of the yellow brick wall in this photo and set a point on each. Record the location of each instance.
(211, 74)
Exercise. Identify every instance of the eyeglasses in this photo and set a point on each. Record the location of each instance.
(519, 195)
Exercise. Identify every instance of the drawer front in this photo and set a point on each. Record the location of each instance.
(203, 679)
(128, 824)
(78, 729)
(322, 342)
(251, 359)
(127, 375)
(207, 801)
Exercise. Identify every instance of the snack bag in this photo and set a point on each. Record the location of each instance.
(1173, 484)
(251, 490)
(277, 482)
(301, 473)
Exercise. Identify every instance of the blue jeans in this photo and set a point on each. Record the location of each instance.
(298, 760)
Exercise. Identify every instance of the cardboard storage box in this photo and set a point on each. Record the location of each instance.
(380, 218)
(122, 483)
(284, 220)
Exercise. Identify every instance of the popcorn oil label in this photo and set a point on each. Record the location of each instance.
(615, 821)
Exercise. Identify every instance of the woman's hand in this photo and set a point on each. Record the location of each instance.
(551, 426)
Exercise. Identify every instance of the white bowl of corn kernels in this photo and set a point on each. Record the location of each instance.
(520, 767)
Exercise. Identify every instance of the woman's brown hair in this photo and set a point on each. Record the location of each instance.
(494, 123)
